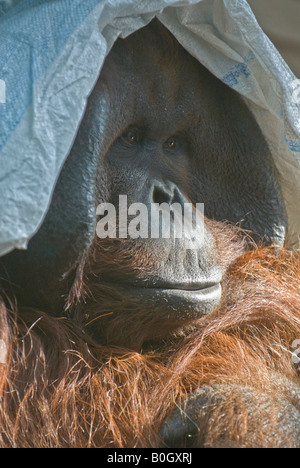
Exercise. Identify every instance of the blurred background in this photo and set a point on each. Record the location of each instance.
(280, 20)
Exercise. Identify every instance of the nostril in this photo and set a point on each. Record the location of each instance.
(162, 195)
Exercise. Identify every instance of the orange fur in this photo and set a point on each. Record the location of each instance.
(59, 388)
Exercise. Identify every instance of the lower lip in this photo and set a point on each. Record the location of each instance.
(194, 303)
(204, 294)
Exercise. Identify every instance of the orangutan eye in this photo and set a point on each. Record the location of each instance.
(131, 137)
(171, 143)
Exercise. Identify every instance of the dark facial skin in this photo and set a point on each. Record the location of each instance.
(151, 161)
(158, 127)
(218, 155)
(183, 137)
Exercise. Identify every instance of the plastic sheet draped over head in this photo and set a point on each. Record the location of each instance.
(51, 54)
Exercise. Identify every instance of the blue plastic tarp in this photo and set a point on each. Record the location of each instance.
(51, 53)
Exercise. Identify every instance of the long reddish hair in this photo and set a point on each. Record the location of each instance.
(59, 388)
